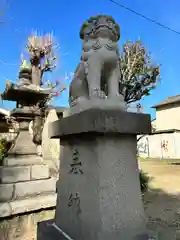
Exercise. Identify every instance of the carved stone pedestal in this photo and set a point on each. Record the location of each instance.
(99, 195)
(23, 144)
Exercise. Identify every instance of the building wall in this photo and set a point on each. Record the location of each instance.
(164, 145)
(168, 117)
(51, 147)
(153, 124)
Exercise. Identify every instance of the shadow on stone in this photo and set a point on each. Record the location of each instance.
(46, 231)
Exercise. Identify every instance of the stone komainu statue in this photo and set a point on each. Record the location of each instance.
(98, 73)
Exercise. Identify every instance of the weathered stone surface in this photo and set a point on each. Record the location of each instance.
(34, 187)
(27, 205)
(23, 144)
(50, 147)
(39, 172)
(5, 209)
(101, 121)
(110, 207)
(15, 174)
(22, 160)
(27, 94)
(85, 104)
(23, 125)
(33, 203)
(6, 192)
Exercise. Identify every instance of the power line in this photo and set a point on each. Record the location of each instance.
(143, 16)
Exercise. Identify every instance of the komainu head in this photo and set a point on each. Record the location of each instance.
(100, 26)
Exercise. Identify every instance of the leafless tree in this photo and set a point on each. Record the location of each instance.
(41, 50)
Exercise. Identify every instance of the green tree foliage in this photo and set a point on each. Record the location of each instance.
(4, 148)
(138, 74)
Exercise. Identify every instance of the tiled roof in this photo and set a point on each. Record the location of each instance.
(167, 101)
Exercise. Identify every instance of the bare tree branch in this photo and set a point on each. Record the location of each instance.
(42, 54)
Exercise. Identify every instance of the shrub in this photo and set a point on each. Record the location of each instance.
(4, 148)
(144, 181)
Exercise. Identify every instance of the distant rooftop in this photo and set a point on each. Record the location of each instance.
(167, 101)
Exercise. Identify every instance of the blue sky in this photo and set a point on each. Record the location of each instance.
(64, 18)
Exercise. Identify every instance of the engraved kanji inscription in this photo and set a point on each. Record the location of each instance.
(74, 201)
(76, 165)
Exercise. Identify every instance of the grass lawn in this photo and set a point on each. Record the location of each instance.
(162, 202)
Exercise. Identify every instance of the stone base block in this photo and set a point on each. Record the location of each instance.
(99, 196)
(39, 172)
(6, 192)
(84, 104)
(23, 144)
(99, 193)
(13, 174)
(19, 190)
(34, 187)
(33, 203)
(22, 160)
(100, 121)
